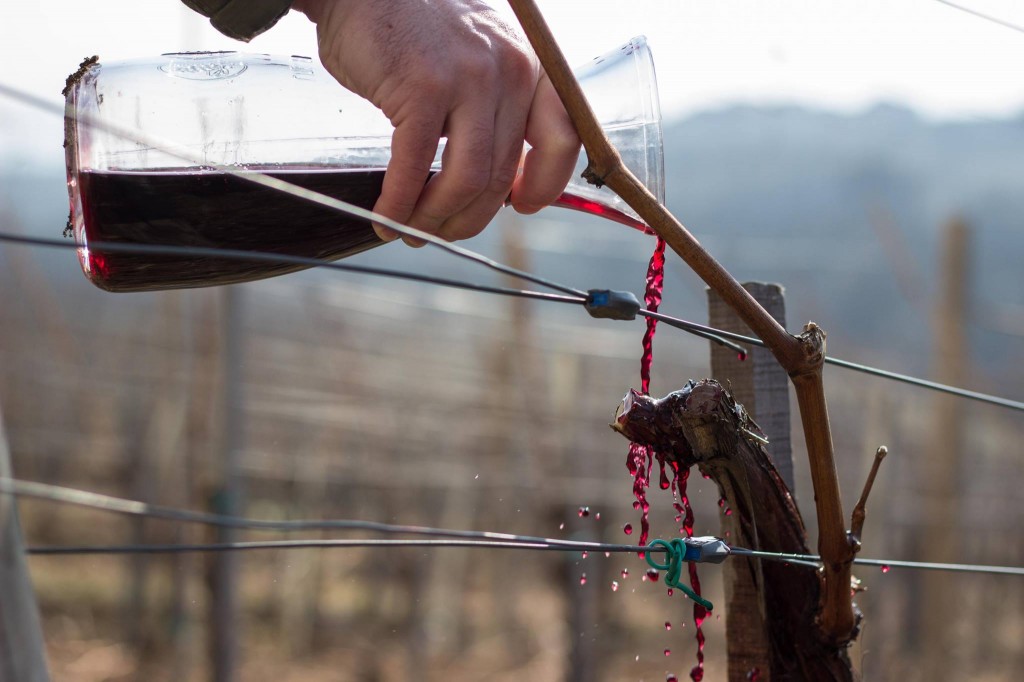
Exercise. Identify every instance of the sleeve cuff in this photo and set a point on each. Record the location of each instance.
(245, 19)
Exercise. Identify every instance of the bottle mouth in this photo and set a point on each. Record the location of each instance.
(621, 88)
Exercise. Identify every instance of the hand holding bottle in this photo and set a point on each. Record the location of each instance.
(455, 69)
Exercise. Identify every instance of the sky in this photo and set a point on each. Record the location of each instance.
(838, 55)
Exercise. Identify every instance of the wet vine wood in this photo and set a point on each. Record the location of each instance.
(702, 425)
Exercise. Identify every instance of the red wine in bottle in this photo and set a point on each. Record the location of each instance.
(216, 210)
(189, 207)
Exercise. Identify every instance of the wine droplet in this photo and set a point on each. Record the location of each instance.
(628, 529)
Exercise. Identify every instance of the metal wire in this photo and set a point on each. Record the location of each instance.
(986, 17)
(453, 538)
(855, 366)
(719, 336)
(814, 560)
(269, 257)
(287, 544)
(117, 505)
(696, 330)
(925, 383)
(807, 560)
(930, 566)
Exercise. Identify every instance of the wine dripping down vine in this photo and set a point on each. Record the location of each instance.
(641, 458)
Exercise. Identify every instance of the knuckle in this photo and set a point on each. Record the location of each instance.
(455, 230)
(473, 175)
(399, 207)
(474, 183)
(521, 67)
(565, 145)
(478, 72)
(503, 179)
(427, 219)
(406, 181)
(431, 86)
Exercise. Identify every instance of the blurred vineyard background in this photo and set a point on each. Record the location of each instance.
(350, 397)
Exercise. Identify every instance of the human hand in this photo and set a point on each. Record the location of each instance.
(455, 69)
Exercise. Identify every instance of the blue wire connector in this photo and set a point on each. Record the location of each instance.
(612, 305)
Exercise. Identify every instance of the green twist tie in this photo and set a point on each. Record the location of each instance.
(675, 551)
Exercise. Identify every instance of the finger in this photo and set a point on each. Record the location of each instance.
(413, 147)
(465, 168)
(510, 129)
(548, 166)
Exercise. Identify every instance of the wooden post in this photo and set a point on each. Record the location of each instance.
(22, 653)
(941, 471)
(227, 493)
(176, 450)
(759, 384)
(583, 611)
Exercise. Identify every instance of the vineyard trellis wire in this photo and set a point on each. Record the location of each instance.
(719, 336)
(453, 537)
(982, 15)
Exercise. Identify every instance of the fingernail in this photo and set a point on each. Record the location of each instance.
(414, 242)
(527, 209)
(386, 234)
